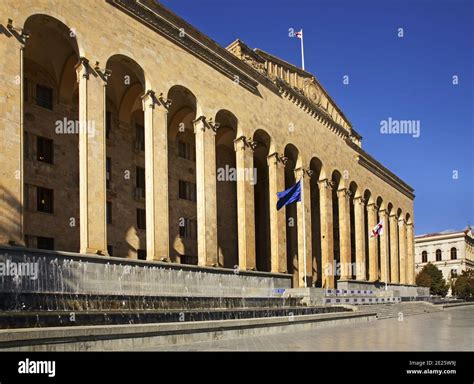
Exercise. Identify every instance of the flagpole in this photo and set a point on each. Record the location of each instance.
(302, 50)
(304, 230)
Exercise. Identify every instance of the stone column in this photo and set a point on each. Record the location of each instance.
(92, 152)
(206, 192)
(156, 176)
(410, 254)
(373, 246)
(304, 228)
(245, 202)
(276, 183)
(394, 274)
(343, 200)
(402, 236)
(359, 206)
(327, 240)
(384, 248)
(11, 138)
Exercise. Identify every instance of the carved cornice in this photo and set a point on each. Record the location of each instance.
(161, 20)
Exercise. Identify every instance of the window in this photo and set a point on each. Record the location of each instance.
(454, 253)
(188, 228)
(26, 146)
(188, 259)
(44, 200)
(186, 151)
(110, 250)
(141, 218)
(187, 190)
(45, 243)
(108, 124)
(108, 173)
(108, 212)
(44, 96)
(25, 89)
(424, 257)
(139, 137)
(140, 183)
(438, 255)
(44, 150)
(141, 254)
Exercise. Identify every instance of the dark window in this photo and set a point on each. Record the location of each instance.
(45, 243)
(140, 183)
(188, 259)
(141, 218)
(186, 151)
(44, 150)
(108, 212)
(187, 190)
(110, 250)
(454, 253)
(140, 137)
(44, 96)
(141, 254)
(26, 146)
(187, 228)
(45, 200)
(438, 255)
(108, 172)
(424, 257)
(25, 89)
(108, 124)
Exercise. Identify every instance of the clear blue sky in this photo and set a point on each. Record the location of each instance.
(402, 78)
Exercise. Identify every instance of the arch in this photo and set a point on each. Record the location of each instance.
(453, 253)
(399, 213)
(226, 189)
(316, 166)
(264, 147)
(424, 257)
(439, 255)
(408, 219)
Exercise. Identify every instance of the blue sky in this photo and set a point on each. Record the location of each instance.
(407, 78)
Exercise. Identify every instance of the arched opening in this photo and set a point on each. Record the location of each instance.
(336, 179)
(291, 154)
(226, 185)
(438, 255)
(316, 166)
(379, 204)
(261, 201)
(424, 257)
(368, 200)
(182, 176)
(51, 139)
(353, 188)
(454, 253)
(125, 159)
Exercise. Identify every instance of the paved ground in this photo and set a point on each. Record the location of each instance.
(449, 330)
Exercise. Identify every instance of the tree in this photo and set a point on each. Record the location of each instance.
(464, 285)
(430, 276)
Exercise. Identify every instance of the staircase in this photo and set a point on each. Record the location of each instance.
(386, 311)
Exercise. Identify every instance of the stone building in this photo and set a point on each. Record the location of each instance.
(451, 252)
(122, 130)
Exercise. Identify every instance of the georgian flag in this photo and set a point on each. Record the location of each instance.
(378, 229)
(299, 34)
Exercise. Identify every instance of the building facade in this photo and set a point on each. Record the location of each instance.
(125, 131)
(451, 252)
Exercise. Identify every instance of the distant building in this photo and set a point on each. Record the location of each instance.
(452, 252)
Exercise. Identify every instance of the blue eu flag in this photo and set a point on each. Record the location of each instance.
(289, 195)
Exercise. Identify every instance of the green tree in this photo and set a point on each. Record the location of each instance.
(430, 276)
(464, 285)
